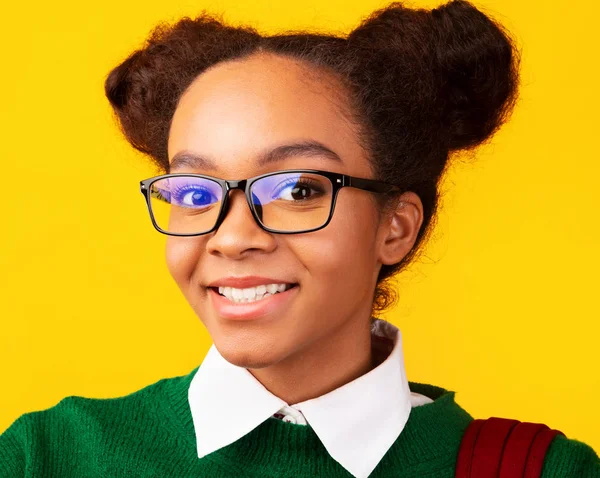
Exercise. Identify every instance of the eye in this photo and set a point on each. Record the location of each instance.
(297, 190)
(192, 196)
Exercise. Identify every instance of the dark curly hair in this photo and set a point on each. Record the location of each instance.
(420, 85)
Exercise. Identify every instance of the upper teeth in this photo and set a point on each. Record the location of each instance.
(251, 294)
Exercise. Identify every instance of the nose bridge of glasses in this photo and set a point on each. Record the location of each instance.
(230, 187)
(236, 184)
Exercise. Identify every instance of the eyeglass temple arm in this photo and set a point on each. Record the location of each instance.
(370, 185)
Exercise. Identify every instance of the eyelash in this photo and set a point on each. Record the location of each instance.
(177, 190)
(309, 183)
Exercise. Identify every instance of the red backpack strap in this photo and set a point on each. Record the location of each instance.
(503, 448)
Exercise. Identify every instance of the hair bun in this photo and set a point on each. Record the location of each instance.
(137, 95)
(144, 88)
(477, 65)
(452, 68)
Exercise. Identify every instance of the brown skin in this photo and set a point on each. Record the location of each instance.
(321, 339)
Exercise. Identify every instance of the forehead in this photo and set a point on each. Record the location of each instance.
(237, 109)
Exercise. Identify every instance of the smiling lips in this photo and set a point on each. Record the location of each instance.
(248, 297)
(252, 294)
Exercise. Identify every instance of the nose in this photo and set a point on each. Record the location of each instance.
(239, 234)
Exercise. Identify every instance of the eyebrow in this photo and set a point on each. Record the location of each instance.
(306, 149)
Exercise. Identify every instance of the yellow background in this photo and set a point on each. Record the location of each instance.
(503, 308)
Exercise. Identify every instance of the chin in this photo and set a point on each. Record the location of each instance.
(248, 356)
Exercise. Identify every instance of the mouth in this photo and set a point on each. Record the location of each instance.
(264, 302)
(252, 294)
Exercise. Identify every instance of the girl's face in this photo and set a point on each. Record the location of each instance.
(231, 114)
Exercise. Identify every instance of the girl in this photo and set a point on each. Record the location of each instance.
(298, 172)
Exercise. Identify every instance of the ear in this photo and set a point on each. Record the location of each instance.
(400, 227)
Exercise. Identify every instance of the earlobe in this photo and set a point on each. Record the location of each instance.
(401, 228)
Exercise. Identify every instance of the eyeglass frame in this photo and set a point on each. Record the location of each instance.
(338, 181)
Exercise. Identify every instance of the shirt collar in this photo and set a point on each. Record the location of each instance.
(227, 402)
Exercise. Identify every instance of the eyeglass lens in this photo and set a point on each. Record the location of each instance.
(285, 202)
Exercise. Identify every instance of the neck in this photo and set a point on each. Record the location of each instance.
(331, 361)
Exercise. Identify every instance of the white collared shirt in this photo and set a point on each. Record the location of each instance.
(227, 402)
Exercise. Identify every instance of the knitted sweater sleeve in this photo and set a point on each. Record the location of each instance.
(570, 458)
(13, 443)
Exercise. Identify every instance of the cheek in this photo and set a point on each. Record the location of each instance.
(182, 256)
(353, 228)
(341, 257)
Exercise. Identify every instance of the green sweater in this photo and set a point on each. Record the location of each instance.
(150, 433)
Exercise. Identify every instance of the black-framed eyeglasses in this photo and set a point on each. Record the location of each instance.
(284, 202)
